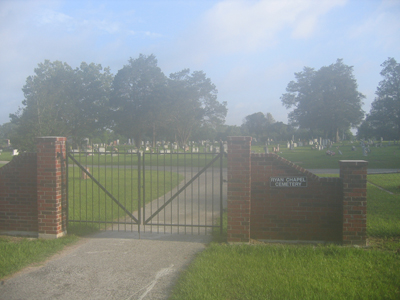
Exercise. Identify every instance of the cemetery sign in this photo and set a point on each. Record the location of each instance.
(288, 181)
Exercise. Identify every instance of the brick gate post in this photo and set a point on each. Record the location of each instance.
(51, 187)
(354, 177)
(239, 189)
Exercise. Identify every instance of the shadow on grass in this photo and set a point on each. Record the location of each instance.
(216, 233)
(82, 229)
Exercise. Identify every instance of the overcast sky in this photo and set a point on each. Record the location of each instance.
(249, 49)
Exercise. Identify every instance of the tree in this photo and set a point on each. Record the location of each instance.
(255, 124)
(138, 97)
(259, 125)
(61, 101)
(326, 99)
(193, 104)
(384, 117)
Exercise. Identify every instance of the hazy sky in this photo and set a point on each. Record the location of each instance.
(249, 49)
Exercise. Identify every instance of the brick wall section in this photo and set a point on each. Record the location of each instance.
(327, 209)
(354, 177)
(18, 199)
(311, 213)
(51, 187)
(239, 179)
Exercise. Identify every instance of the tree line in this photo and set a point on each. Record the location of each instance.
(141, 102)
(326, 103)
(138, 101)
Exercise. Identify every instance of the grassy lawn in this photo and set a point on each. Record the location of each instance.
(6, 156)
(273, 271)
(17, 253)
(290, 272)
(387, 157)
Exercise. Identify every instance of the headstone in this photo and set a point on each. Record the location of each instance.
(15, 152)
(102, 149)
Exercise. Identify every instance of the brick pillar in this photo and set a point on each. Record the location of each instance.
(354, 177)
(51, 187)
(239, 189)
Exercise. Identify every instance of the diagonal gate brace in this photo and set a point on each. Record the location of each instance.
(182, 189)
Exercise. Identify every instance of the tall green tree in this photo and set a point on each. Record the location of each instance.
(384, 117)
(258, 125)
(138, 98)
(6, 131)
(326, 99)
(61, 101)
(193, 104)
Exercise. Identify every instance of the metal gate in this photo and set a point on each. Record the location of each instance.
(154, 191)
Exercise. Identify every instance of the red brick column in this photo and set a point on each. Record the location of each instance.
(239, 187)
(354, 177)
(51, 187)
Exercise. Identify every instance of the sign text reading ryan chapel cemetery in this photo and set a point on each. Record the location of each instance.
(288, 181)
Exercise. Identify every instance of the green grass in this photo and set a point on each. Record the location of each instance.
(383, 213)
(267, 271)
(387, 157)
(290, 272)
(389, 182)
(17, 253)
(6, 156)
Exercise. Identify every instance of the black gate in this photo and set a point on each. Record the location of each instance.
(162, 190)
